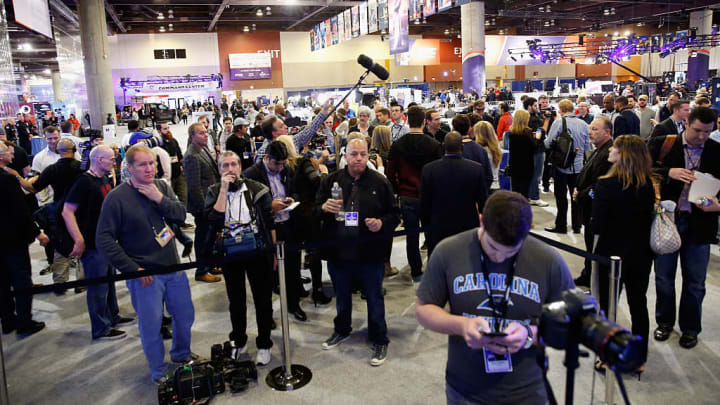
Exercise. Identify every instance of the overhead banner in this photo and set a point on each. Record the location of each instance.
(497, 46)
(250, 66)
(192, 85)
(399, 29)
(444, 4)
(328, 33)
(348, 24)
(341, 27)
(429, 8)
(372, 16)
(363, 18)
(382, 14)
(422, 52)
(355, 12)
(415, 9)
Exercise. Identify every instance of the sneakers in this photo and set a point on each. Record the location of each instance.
(334, 340)
(46, 270)
(390, 271)
(539, 203)
(263, 357)
(160, 381)
(235, 352)
(125, 321)
(191, 357)
(379, 355)
(113, 334)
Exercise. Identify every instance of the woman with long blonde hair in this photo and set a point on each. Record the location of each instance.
(622, 216)
(292, 153)
(522, 144)
(485, 136)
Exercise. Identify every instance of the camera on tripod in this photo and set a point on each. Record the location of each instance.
(575, 319)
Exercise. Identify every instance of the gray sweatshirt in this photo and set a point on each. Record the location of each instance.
(125, 228)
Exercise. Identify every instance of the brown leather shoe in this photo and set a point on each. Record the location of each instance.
(216, 271)
(208, 278)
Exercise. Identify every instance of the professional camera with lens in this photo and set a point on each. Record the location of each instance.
(548, 112)
(574, 319)
(317, 142)
(191, 383)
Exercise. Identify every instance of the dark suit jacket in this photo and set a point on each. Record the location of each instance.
(703, 225)
(622, 220)
(597, 165)
(626, 123)
(460, 178)
(257, 172)
(666, 127)
(19, 229)
(201, 172)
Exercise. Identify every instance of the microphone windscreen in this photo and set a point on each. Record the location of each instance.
(380, 71)
(365, 61)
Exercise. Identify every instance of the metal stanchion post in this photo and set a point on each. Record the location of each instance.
(287, 377)
(4, 398)
(613, 293)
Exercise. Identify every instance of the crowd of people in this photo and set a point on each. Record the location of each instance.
(357, 176)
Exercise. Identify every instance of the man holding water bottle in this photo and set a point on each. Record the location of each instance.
(370, 214)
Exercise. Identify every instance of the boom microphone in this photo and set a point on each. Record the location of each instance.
(379, 71)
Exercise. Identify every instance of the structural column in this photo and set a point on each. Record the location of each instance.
(57, 87)
(698, 66)
(98, 78)
(472, 22)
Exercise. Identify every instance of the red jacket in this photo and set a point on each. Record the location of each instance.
(504, 125)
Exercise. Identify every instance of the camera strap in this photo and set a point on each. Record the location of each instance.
(501, 308)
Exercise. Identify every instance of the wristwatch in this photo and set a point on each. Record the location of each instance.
(530, 339)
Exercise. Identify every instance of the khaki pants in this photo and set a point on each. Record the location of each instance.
(61, 268)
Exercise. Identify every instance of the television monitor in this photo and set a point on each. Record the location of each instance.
(607, 88)
(33, 15)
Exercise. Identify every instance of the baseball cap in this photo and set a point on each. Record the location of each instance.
(241, 121)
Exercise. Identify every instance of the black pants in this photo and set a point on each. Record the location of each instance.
(284, 232)
(547, 173)
(258, 270)
(589, 237)
(565, 182)
(15, 275)
(635, 278)
(521, 185)
(201, 230)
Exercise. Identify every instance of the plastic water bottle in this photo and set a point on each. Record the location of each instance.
(336, 192)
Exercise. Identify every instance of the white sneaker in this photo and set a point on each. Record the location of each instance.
(263, 357)
(539, 203)
(237, 351)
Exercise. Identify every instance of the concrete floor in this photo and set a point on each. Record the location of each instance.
(61, 365)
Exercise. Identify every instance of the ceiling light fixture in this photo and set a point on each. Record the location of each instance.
(246, 29)
(417, 22)
(170, 27)
(268, 10)
(162, 28)
(254, 27)
(47, 71)
(259, 13)
(160, 16)
(612, 10)
(170, 14)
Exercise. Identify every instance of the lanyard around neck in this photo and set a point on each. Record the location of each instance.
(500, 309)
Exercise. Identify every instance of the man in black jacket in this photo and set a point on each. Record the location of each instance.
(171, 146)
(19, 230)
(674, 124)
(479, 109)
(240, 205)
(240, 143)
(200, 173)
(676, 160)
(464, 180)
(433, 126)
(280, 179)
(597, 165)
(627, 122)
(370, 209)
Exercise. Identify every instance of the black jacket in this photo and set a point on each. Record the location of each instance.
(460, 178)
(663, 128)
(597, 165)
(622, 219)
(262, 205)
(173, 149)
(242, 146)
(626, 123)
(201, 172)
(375, 200)
(19, 229)
(703, 225)
(439, 135)
(522, 154)
(257, 172)
(407, 157)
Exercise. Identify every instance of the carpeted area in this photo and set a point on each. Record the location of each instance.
(61, 365)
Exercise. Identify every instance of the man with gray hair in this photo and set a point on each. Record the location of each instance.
(201, 172)
(133, 233)
(584, 113)
(370, 209)
(81, 212)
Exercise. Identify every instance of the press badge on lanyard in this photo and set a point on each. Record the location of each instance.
(164, 236)
(497, 363)
(351, 219)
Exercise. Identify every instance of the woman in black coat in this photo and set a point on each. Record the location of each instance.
(622, 215)
(523, 146)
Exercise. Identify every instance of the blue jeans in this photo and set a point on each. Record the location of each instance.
(694, 259)
(344, 276)
(101, 299)
(534, 192)
(410, 210)
(174, 290)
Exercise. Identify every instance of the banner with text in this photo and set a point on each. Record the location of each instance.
(250, 66)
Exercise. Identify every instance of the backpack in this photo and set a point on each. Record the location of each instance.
(562, 149)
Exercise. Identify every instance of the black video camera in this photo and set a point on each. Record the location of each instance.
(548, 112)
(192, 383)
(575, 319)
(237, 374)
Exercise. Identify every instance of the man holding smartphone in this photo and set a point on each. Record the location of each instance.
(496, 280)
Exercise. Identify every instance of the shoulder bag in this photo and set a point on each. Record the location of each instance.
(664, 236)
